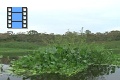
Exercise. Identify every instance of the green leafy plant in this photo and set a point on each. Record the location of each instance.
(62, 59)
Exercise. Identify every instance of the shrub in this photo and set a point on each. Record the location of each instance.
(65, 60)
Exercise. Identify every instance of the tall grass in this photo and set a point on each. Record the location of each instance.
(17, 48)
(110, 44)
(20, 45)
(113, 46)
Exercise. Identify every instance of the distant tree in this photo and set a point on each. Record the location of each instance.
(87, 32)
(88, 35)
(32, 32)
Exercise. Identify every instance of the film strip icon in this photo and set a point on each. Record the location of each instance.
(17, 17)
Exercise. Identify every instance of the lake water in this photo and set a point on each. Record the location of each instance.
(94, 72)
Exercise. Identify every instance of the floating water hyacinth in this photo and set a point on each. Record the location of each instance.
(65, 60)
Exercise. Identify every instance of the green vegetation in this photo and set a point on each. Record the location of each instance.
(116, 59)
(17, 48)
(14, 51)
(19, 45)
(52, 53)
(65, 60)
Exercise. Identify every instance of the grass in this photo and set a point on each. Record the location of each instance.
(17, 48)
(66, 54)
(113, 46)
(19, 45)
(14, 51)
(116, 59)
(110, 44)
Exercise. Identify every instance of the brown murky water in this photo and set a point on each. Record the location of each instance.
(94, 72)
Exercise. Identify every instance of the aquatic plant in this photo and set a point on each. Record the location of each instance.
(65, 59)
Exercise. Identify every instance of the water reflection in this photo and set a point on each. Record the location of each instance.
(93, 72)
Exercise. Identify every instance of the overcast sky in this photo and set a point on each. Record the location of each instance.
(57, 16)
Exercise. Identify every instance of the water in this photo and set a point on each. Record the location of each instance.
(94, 72)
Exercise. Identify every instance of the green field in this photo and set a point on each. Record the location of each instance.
(22, 48)
(50, 59)
(17, 48)
(77, 56)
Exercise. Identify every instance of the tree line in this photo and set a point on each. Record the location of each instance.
(44, 38)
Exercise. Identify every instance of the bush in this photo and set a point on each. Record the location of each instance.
(65, 60)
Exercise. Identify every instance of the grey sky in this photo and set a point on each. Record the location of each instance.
(57, 16)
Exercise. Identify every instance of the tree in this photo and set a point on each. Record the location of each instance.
(32, 32)
(87, 32)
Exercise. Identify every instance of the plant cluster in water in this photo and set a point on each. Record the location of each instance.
(62, 59)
